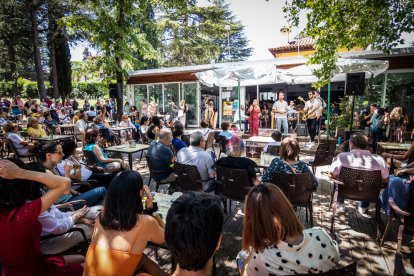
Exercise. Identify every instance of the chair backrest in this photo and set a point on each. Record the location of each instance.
(222, 141)
(360, 184)
(89, 158)
(297, 187)
(273, 150)
(324, 154)
(104, 133)
(233, 183)
(68, 130)
(188, 177)
(144, 138)
(349, 270)
(10, 148)
(210, 140)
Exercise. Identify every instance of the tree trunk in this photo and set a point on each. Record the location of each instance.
(13, 67)
(118, 59)
(38, 61)
(53, 71)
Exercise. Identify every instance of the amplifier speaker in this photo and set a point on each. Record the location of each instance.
(301, 130)
(355, 84)
(113, 90)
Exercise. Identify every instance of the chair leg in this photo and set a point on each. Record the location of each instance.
(400, 236)
(387, 228)
(306, 212)
(334, 210)
(313, 169)
(378, 219)
(311, 214)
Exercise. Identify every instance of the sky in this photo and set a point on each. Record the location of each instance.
(262, 20)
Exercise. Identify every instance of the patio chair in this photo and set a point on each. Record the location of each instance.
(298, 189)
(222, 141)
(144, 138)
(232, 184)
(361, 185)
(154, 174)
(188, 177)
(323, 156)
(273, 150)
(349, 270)
(11, 149)
(405, 219)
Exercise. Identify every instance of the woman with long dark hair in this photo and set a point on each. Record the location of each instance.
(122, 230)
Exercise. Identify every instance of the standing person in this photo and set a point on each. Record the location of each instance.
(312, 109)
(75, 104)
(144, 108)
(86, 105)
(127, 108)
(254, 110)
(209, 113)
(377, 126)
(244, 118)
(396, 126)
(152, 109)
(182, 113)
(280, 109)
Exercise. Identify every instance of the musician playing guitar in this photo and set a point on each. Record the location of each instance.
(313, 111)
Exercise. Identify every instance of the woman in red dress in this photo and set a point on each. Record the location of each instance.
(20, 228)
(254, 118)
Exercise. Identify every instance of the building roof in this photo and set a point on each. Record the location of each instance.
(306, 43)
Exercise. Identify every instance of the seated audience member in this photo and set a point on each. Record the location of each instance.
(399, 188)
(197, 156)
(63, 115)
(288, 162)
(55, 222)
(161, 155)
(19, 225)
(49, 122)
(50, 155)
(277, 137)
(75, 118)
(98, 121)
(234, 159)
(177, 132)
(404, 160)
(101, 159)
(154, 128)
(193, 232)
(359, 157)
(22, 147)
(204, 128)
(122, 230)
(91, 113)
(34, 129)
(80, 126)
(282, 246)
(81, 172)
(15, 110)
(126, 122)
(144, 122)
(225, 126)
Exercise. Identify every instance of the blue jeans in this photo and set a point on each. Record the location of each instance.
(398, 190)
(284, 122)
(93, 197)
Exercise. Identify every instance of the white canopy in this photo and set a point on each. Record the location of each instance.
(267, 73)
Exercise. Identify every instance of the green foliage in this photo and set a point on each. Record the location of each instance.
(352, 23)
(195, 35)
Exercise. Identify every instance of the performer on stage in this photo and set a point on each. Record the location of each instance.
(254, 118)
(280, 108)
(209, 113)
(313, 111)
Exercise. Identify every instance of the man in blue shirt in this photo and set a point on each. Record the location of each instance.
(161, 155)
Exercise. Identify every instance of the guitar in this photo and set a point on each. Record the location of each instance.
(311, 112)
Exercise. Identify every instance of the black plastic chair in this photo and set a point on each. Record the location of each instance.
(273, 150)
(154, 174)
(323, 156)
(298, 189)
(361, 185)
(222, 141)
(232, 184)
(11, 149)
(188, 177)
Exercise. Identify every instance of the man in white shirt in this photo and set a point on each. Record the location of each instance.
(81, 126)
(280, 108)
(197, 156)
(361, 158)
(243, 117)
(313, 110)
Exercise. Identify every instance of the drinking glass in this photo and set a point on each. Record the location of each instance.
(252, 149)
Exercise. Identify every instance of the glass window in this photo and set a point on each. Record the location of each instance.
(375, 89)
(140, 93)
(190, 96)
(400, 92)
(155, 96)
(171, 97)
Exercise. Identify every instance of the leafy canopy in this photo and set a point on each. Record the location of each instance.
(350, 23)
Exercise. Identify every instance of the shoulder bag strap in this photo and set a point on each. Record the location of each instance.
(291, 167)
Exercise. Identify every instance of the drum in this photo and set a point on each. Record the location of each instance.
(292, 116)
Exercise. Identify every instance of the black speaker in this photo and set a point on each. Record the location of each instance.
(355, 84)
(301, 130)
(113, 90)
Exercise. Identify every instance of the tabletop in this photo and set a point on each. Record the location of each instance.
(394, 146)
(126, 148)
(120, 128)
(53, 138)
(260, 139)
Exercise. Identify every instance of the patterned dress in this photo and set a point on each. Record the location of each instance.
(254, 122)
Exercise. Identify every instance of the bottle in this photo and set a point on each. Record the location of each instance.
(339, 140)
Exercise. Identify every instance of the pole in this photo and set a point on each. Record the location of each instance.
(328, 127)
(238, 98)
(352, 115)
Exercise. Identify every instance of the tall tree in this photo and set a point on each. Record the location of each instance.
(196, 34)
(347, 24)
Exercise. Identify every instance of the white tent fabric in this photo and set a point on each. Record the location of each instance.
(249, 74)
(304, 73)
(266, 73)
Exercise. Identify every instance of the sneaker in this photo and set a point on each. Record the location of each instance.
(362, 210)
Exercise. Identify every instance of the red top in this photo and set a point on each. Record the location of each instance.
(20, 244)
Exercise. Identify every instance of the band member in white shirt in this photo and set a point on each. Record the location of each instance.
(280, 108)
(313, 111)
